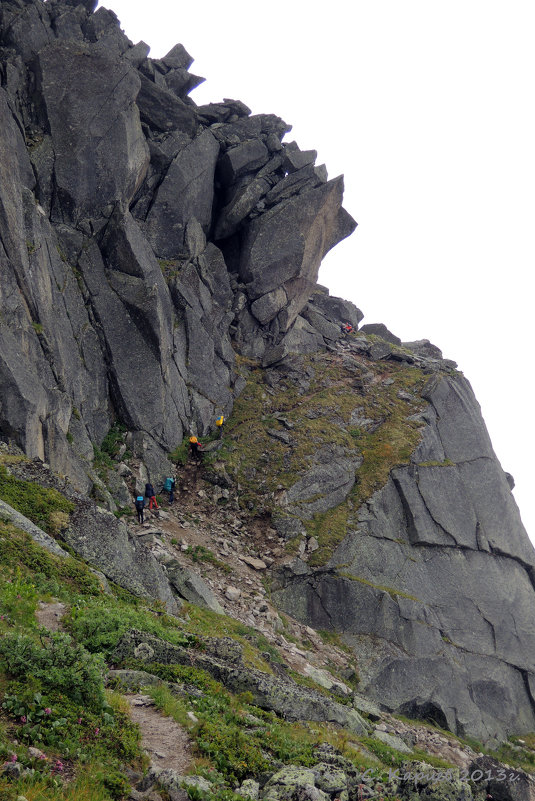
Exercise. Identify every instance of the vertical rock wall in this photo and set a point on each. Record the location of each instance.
(434, 585)
(139, 234)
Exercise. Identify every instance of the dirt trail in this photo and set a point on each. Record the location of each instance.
(166, 743)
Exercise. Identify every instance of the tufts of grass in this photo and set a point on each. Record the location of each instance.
(392, 591)
(180, 454)
(329, 528)
(41, 505)
(170, 268)
(224, 735)
(92, 784)
(99, 623)
(23, 560)
(113, 440)
(198, 553)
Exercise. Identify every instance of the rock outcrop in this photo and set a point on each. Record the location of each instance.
(438, 574)
(125, 207)
(225, 663)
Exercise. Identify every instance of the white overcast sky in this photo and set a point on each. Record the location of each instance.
(427, 108)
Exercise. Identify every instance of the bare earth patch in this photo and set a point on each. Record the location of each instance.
(49, 615)
(166, 743)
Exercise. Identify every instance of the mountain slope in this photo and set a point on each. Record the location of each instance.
(159, 264)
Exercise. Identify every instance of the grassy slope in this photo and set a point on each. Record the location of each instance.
(54, 699)
(321, 415)
(83, 729)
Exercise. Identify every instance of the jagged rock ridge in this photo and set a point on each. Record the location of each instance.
(139, 233)
(144, 241)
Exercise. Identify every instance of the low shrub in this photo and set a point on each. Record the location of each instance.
(99, 627)
(56, 661)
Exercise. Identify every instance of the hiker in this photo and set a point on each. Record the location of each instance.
(140, 505)
(151, 495)
(347, 328)
(195, 448)
(219, 423)
(169, 486)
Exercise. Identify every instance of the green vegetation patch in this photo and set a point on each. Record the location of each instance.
(99, 624)
(396, 438)
(45, 507)
(205, 623)
(239, 739)
(198, 553)
(180, 454)
(518, 752)
(320, 415)
(103, 456)
(392, 591)
(113, 440)
(56, 661)
(170, 268)
(85, 750)
(21, 559)
(329, 528)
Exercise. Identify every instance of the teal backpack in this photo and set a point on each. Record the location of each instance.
(168, 486)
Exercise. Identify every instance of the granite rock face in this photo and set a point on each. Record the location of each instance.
(439, 576)
(133, 228)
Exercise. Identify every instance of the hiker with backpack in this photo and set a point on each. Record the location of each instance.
(139, 503)
(151, 495)
(195, 448)
(219, 423)
(169, 486)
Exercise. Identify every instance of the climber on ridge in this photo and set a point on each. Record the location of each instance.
(169, 486)
(219, 423)
(151, 495)
(195, 448)
(140, 506)
(347, 328)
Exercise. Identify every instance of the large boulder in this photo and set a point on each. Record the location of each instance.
(192, 587)
(324, 485)
(286, 249)
(185, 194)
(163, 110)
(88, 104)
(104, 542)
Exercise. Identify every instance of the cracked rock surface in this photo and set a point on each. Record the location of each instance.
(438, 575)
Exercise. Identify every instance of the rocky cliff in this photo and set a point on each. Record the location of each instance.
(159, 262)
(139, 234)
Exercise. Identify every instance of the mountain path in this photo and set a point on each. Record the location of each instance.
(166, 743)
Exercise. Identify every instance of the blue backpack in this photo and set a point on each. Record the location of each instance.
(140, 502)
(168, 486)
